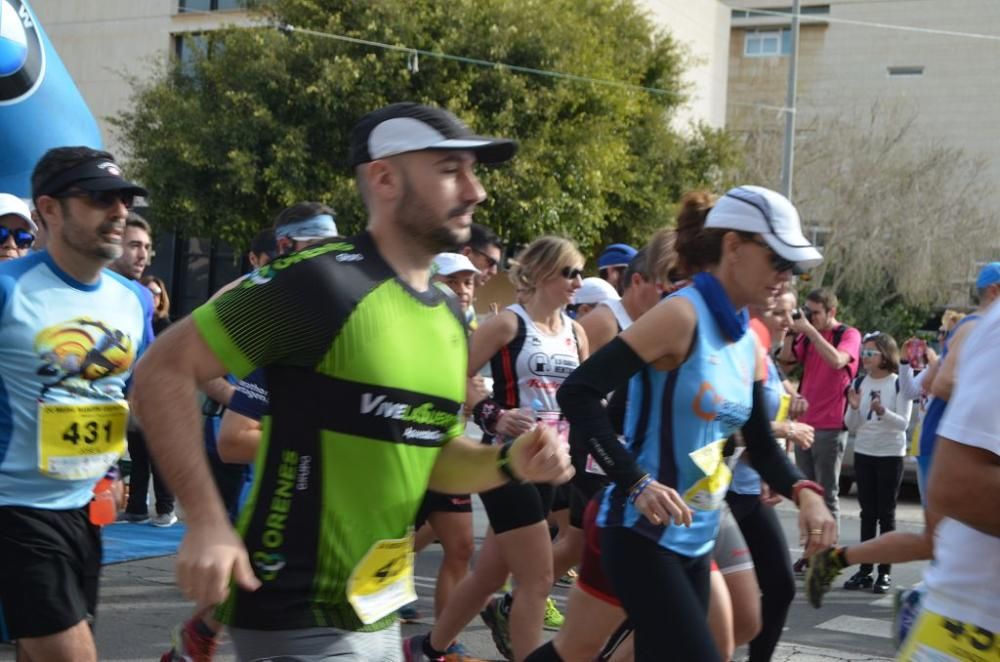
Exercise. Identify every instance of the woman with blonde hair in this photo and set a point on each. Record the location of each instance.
(532, 346)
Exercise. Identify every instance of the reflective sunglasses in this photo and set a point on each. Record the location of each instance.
(22, 238)
(779, 263)
(870, 353)
(102, 199)
(569, 273)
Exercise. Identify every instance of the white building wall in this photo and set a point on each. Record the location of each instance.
(104, 42)
(702, 26)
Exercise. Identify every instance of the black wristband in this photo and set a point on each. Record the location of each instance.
(503, 462)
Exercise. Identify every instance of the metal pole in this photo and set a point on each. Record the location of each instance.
(788, 160)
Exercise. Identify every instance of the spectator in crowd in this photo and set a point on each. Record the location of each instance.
(17, 229)
(612, 263)
(878, 415)
(485, 250)
(263, 249)
(828, 353)
(161, 302)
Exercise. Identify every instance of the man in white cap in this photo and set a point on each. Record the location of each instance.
(17, 229)
(592, 293)
(456, 272)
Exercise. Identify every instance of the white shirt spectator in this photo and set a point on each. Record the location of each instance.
(885, 435)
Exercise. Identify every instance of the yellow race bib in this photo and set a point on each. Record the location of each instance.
(709, 492)
(80, 441)
(382, 581)
(935, 638)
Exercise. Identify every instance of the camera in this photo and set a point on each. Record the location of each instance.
(799, 313)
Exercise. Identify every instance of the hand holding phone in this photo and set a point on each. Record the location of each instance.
(916, 351)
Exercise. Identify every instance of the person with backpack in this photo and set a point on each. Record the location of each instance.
(828, 353)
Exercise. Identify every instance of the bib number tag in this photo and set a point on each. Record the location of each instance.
(382, 581)
(80, 441)
(709, 492)
(939, 639)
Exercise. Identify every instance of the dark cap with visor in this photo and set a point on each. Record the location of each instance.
(412, 127)
(100, 174)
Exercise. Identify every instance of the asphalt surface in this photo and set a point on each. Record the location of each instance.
(140, 604)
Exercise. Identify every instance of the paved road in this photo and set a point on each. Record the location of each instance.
(139, 605)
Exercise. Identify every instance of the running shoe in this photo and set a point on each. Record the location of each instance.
(409, 613)
(458, 653)
(824, 567)
(882, 584)
(413, 650)
(858, 581)
(568, 579)
(134, 518)
(163, 520)
(496, 620)
(799, 567)
(553, 618)
(189, 644)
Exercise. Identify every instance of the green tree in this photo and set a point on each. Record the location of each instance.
(259, 118)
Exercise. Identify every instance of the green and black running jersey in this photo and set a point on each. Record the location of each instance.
(366, 380)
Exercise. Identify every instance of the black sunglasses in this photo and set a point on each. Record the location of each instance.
(779, 263)
(22, 238)
(569, 273)
(102, 199)
(491, 261)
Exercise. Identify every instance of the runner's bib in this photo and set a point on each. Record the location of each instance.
(80, 441)
(382, 581)
(709, 492)
(936, 638)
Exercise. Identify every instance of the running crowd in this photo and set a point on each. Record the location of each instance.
(636, 427)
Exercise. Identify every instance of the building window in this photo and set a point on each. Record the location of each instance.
(186, 45)
(904, 71)
(208, 5)
(767, 43)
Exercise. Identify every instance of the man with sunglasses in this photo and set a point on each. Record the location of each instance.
(485, 250)
(17, 229)
(70, 333)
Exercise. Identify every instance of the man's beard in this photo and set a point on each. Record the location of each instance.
(91, 246)
(421, 223)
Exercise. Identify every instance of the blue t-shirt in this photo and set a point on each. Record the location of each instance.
(67, 350)
(676, 426)
(250, 397)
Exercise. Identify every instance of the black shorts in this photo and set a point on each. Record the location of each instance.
(50, 563)
(516, 505)
(561, 497)
(436, 502)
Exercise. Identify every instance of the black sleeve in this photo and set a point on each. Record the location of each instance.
(766, 456)
(616, 408)
(580, 401)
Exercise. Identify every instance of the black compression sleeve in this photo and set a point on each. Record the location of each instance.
(765, 455)
(580, 401)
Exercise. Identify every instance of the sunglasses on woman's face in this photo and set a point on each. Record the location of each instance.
(870, 353)
(22, 238)
(779, 263)
(569, 273)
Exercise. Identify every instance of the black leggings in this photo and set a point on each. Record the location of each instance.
(878, 481)
(664, 594)
(764, 537)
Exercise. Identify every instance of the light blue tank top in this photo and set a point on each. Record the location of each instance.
(66, 352)
(676, 425)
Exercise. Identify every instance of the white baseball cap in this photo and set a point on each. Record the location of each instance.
(446, 264)
(594, 291)
(771, 215)
(11, 204)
